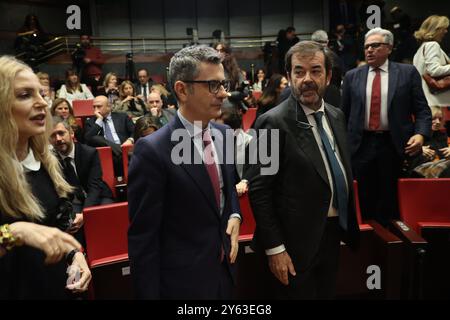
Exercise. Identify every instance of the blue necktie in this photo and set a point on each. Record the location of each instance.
(340, 196)
(108, 133)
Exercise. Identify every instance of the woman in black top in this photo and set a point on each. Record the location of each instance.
(33, 197)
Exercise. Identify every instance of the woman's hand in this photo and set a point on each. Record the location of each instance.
(82, 284)
(52, 241)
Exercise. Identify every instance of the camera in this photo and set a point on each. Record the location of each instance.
(238, 96)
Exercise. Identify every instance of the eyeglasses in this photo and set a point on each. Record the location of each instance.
(214, 85)
(374, 45)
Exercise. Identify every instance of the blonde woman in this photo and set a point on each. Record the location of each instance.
(73, 89)
(135, 107)
(431, 59)
(33, 196)
(110, 88)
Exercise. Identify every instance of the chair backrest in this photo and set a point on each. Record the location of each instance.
(105, 229)
(248, 118)
(106, 161)
(125, 151)
(83, 108)
(257, 95)
(356, 197)
(424, 200)
(248, 226)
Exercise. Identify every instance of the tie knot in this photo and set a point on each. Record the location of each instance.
(377, 70)
(318, 117)
(67, 161)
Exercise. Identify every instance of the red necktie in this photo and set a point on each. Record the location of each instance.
(211, 165)
(375, 102)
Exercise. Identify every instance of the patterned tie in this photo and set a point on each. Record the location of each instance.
(375, 102)
(211, 164)
(108, 133)
(340, 195)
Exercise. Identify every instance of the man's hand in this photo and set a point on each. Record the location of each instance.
(280, 264)
(242, 187)
(77, 223)
(414, 145)
(428, 153)
(154, 111)
(233, 231)
(98, 114)
(128, 142)
(445, 152)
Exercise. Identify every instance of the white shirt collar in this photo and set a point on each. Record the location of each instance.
(190, 127)
(309, 111)
(30, 163)
(384, 67)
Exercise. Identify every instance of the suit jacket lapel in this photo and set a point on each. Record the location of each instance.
(363, 85)
(197, 172)
(305, 138)
(393, 79)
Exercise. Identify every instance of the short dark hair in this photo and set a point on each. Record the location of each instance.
(290, 29)
(308, 48)
(143, 69)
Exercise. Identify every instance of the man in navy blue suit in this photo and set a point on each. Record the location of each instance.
(388, 119)
(184, 215)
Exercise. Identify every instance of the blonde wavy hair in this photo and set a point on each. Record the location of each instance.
(108, 77)
(122, 87)
(16, 198)
(430, 28)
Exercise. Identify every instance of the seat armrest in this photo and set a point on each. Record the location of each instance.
(406, 233)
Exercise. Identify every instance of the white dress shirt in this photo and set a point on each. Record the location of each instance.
(384, 73)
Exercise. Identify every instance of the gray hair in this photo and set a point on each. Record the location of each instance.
(320, 36)
(388, 36)
(57, 120)
(184, 65)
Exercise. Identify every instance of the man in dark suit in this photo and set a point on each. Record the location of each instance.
(109, 129)
(184, 212)
(304, 210)
(380, 101)
(81, 168)
(144, 84)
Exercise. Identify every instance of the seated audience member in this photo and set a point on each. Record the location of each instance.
(113, 129)
(62, 108)
(82, 170)
(145, 126)
(110, 88)
(232, 117)
(271, 93)
(73, 89)
(168, 99)
(434, 162)
(133, 106)
(44, 79)
(155, 108)
(144, 84)
(261, 81)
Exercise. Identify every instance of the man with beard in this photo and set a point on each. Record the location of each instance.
(81, 168)
(304, 210)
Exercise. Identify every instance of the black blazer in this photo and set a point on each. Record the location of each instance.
(89, 171)
(291, 206)
(176, 230)
(122, 123)
(405, 99)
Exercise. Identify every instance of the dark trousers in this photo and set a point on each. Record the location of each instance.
(319, 280)
(377, 167)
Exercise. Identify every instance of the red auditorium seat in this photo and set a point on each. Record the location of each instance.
(446, 114)
(106, 161)
(105, 229)
(125, 151)
(424, 206)
(248, 225)
(248, 118)
(83, 108)
(257, 95)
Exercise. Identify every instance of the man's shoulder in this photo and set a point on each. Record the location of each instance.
(354, 71)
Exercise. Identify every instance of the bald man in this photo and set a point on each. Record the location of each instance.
(155, 104)
(109, 129)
